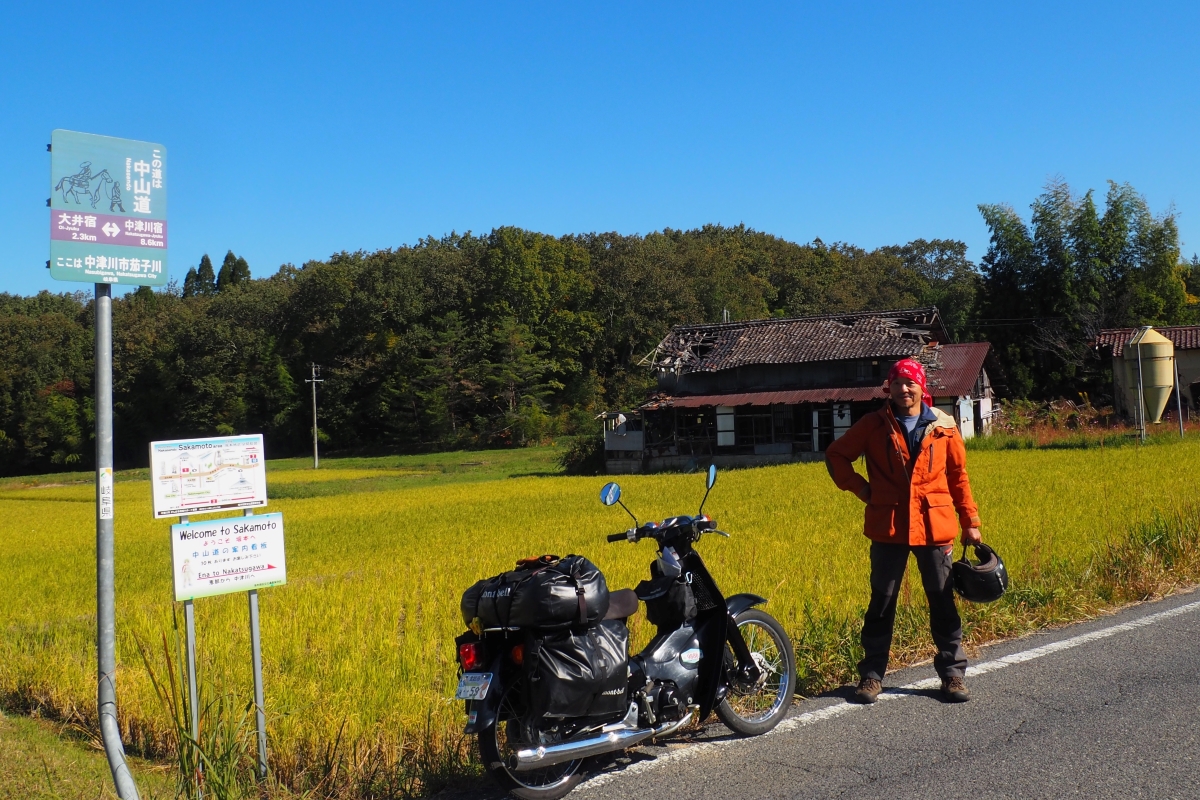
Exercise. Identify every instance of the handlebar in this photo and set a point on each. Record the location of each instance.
(651, 529)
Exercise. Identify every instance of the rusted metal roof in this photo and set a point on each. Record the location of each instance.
(1184, 337)
(837, 394)
(798, 340)
(956, 368)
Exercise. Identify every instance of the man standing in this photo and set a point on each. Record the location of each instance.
(918, 498)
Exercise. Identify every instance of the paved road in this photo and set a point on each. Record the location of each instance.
(1114, 717)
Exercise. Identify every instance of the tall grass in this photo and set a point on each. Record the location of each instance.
(215, 763)
(358, 647)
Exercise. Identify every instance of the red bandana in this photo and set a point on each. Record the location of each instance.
(908, 368)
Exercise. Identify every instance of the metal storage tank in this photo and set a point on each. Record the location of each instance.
(1158, 371)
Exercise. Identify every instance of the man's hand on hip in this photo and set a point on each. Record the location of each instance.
(971, 536)
(864, 493)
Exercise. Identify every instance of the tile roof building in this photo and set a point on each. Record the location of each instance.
(1112, 343)
(772, 390)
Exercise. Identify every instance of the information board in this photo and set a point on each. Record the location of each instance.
(198, 476)
(235, 554)
(108, 210)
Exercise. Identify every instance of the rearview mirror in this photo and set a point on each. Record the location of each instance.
(610, 494)
(712, 476)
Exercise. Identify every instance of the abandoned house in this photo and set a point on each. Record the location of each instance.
(776, 390)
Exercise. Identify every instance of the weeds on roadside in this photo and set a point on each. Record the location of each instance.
(217, 764)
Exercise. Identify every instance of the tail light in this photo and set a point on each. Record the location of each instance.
(518, 655)
(468, 656)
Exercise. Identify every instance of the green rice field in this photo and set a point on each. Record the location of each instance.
(358, 647)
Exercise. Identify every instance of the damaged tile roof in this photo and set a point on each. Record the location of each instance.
(829, 337)
(1184, 337)
(952, 369)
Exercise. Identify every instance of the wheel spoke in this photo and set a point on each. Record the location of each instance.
(509, 739)
(761, 701)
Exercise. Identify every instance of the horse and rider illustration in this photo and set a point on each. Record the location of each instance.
(81, 183)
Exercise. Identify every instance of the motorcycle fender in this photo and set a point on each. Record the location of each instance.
(740, 602)
(481, 714)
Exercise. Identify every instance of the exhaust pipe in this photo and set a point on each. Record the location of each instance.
(607, 742)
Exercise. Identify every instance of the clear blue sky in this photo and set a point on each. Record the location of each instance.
(295, 132)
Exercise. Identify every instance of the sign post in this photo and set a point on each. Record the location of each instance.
(103, 234)
(191, 476)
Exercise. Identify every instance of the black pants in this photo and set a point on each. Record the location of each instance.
(888, 562)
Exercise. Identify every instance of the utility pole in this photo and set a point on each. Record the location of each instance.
(314, 380)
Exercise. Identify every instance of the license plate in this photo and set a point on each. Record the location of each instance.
(473, 686)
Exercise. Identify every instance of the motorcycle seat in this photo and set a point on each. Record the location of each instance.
(622, 604)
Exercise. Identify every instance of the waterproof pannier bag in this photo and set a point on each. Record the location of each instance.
(541, 593)
(580, 672)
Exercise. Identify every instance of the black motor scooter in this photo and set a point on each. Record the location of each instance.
(710, 652)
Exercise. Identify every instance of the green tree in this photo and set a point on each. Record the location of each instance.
(234, 271)
(949, 280)
(206, 279)
(1051, 286)
(191, 283)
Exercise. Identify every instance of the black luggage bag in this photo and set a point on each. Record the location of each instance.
(547, 593)
(579, 672)
(669, 601)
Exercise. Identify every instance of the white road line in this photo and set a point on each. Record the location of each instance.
(838, 709)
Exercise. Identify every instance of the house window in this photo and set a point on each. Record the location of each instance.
(753, 426)
(868, 370)
(783, 420)
(695, 431)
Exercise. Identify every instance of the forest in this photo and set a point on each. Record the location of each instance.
(515, 337)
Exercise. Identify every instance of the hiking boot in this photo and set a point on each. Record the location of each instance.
(955, 690)
(868, 690)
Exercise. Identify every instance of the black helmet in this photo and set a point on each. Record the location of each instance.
(982, 582)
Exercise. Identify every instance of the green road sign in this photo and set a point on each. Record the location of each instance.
(108, 210)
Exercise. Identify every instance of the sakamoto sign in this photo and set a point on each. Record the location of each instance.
(235, 554)
(108, 210)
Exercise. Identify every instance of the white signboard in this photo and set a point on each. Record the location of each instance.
(235, 554)
(197, 476)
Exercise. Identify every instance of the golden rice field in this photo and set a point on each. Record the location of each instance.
(358, 647)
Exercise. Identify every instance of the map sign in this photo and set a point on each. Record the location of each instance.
(235, 554)
(199, 476)
(108, 210)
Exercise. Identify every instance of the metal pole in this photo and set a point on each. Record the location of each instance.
(1178, 400)
(314, 381)
(1141, 394)
(189, 618)
(256, 659)
(106, 612)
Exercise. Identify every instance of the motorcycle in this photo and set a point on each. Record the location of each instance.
(709, 653)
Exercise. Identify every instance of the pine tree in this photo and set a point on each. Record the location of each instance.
(190, 283)
(241, 271)
(206, 282)
(225, 278)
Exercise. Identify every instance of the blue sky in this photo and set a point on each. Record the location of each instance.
(297, 131)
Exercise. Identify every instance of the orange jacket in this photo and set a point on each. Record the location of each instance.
(913, 501)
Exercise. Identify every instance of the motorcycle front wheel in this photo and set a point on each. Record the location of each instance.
(754, 709)
(498, 746)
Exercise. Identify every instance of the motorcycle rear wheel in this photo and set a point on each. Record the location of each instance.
(754, 710)
(497, 747)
